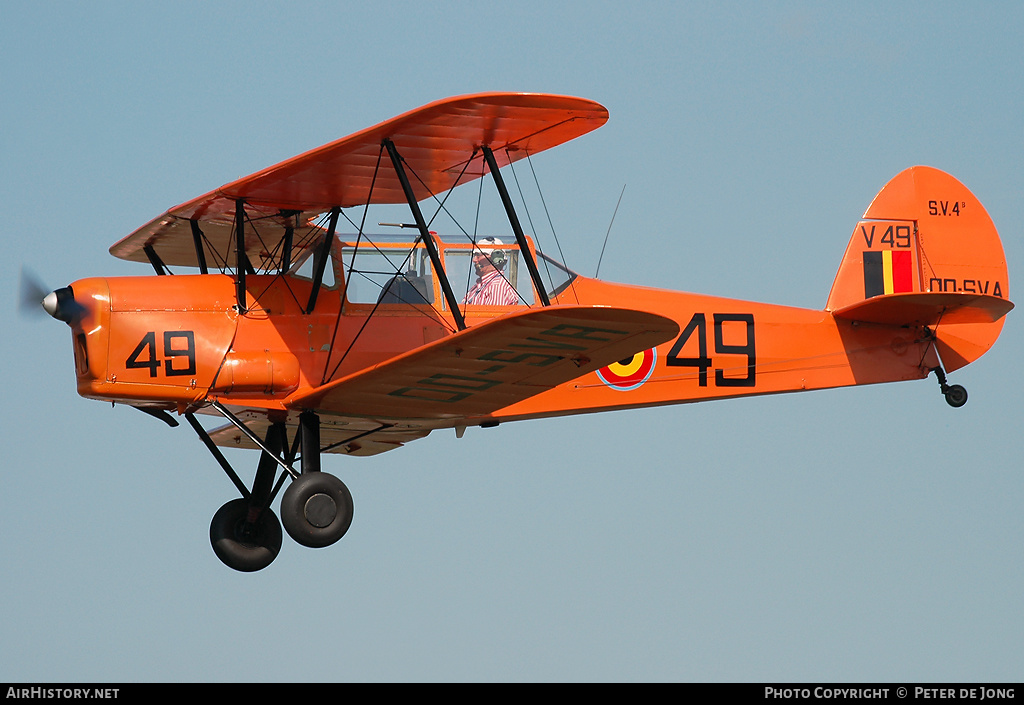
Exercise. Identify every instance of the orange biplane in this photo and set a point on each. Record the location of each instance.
(308, 341)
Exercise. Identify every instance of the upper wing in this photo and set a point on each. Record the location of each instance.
(436, 142)
(487, 367)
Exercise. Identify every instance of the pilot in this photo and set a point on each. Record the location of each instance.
(491, 286)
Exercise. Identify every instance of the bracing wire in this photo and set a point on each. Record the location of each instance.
(398, 270)
(529, 217)
(348, 277)
(551, 225)
(609, 231)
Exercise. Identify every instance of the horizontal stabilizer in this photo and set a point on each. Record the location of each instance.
(487, 367)
(927, 309)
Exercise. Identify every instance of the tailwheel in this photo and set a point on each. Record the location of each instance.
(956, 396)
(245, 538)
(316, 509)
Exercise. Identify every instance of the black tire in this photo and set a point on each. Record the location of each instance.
(316, 509)
(243, 547)
(956, 396)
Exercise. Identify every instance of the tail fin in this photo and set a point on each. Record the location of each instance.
(926, 253)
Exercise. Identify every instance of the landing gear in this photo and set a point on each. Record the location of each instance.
(245, 539)
(956, 396)
(316, 508)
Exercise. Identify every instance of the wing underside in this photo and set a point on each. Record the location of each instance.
(356, 437)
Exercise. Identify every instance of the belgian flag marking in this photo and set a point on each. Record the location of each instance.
(887, 272)
(631, 372)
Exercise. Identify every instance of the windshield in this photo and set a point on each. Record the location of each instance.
(556, 277)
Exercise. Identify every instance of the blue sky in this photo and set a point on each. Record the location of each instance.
(867, 534)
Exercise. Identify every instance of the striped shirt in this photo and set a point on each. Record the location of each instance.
(492, 289)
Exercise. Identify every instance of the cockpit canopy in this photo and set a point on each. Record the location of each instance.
(396, 269)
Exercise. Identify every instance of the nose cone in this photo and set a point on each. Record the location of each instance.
(61, 304)
(50, 303)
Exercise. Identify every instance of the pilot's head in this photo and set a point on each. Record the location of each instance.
(487, 253)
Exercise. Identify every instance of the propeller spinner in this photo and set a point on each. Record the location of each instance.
(60, 303)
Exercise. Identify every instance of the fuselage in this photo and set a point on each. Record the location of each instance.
(180, 341)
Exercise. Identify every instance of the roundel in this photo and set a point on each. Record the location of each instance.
(631, 372)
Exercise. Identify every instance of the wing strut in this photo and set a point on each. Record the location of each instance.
(320, 261)
(240, 255)
(286, 249)
(154, 259)
(517, 228)
(197, 241)
(428, 239)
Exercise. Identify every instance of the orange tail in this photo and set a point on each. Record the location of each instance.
(926, 253)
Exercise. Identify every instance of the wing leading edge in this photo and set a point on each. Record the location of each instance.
(436, 142)
(483, 369)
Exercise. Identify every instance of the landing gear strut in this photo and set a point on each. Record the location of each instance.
(316, 508)
(956, 396)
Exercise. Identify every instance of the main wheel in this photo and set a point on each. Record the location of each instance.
(956, 396)
(242, 544)
(316, 509)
